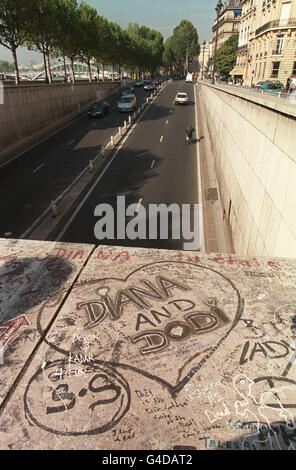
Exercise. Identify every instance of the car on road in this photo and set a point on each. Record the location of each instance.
(271, 86)
(189, 78)
(181, 98)
(149, 85)
(158, 81)
(138, 83)
(127, 103)
(127, 91)
(99, 109)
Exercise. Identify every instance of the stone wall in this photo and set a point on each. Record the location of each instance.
(116, 348)
(29, 109)
(253, 142)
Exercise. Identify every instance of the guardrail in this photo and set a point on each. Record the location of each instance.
(285, 96)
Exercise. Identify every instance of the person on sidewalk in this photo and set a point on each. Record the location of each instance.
(288, 84)
(293, 86)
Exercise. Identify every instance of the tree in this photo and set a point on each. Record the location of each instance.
(181, 47)
(226, 56)
(41, 30)
(68, 30)
(13, 14)
(90, 34)
(6, 66)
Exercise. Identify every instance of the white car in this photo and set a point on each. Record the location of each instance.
(127, 103)
(181, 98)
(189, 78)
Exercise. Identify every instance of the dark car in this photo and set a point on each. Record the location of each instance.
(138, 83)
(157, 81)
(99, 109)
(127, 91)
(149, 85)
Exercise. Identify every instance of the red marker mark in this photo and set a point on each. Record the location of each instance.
(9, 328)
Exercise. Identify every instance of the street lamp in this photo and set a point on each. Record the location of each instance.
(218, 9)
(203, 60)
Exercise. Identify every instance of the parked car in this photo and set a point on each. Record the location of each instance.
(181, 98)
(138, 83)
(99, 109)
(272, 87)
(127, 103)
(149, 85)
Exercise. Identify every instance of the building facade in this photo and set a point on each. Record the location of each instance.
(204, 56)
(267, 41)
(226, 25)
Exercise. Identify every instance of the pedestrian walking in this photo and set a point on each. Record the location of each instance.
(288, 84)
(293, 86)
(293, 90)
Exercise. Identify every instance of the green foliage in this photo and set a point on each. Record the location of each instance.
(13, 14)
(182, 46)
(74, 29)
(226, 56)
(6, 66)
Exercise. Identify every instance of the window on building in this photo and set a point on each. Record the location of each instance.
(275, 69)
(285, 13)
(279, 44)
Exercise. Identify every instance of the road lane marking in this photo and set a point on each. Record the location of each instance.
(199, 180)
(152, 165)
(166, 123)
(161, 139)
(39, 167)
(100, 177)
(70, 143)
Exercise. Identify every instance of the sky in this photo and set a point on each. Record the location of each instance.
(161, 15)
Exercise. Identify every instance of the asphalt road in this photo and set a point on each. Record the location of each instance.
(154, 166)
(29, 183)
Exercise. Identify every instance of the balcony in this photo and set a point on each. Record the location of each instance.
(242, 48)
(291, 23)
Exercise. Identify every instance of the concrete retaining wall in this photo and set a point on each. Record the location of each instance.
(29, 109)
(253, 142)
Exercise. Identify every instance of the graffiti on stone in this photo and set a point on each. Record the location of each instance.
(161, 312)
(178, 353)
(105, 397)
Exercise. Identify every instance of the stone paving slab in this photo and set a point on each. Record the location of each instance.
(30, 274)
(160, 350)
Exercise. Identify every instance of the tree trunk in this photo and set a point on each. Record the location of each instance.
(16, 70)
(65, 68)
(72, 71)
(103, 72)
(89, 71)
(112, 72)
(48, 67)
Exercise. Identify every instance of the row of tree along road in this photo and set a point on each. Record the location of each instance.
(68, 29)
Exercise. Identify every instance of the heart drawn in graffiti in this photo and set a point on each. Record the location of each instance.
(163, 321)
